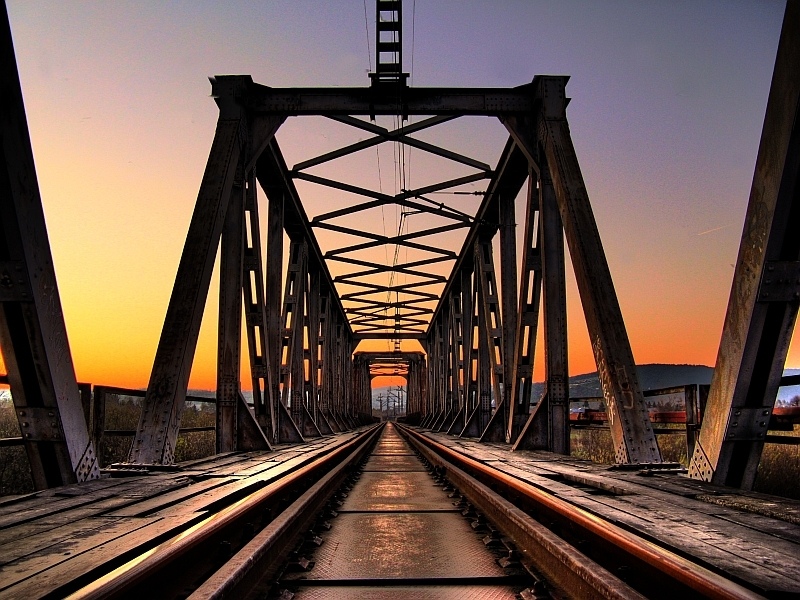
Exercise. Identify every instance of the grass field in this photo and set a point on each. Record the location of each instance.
(122, 413)
(779, 471)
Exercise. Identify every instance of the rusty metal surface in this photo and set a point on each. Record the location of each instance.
(455, 592)
(399, 462)
(400, 491)
(402, 545)
(650, 562)
(400, 527)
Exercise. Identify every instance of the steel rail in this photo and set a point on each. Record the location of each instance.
(157, 564)
(259, 558)
(683, 575)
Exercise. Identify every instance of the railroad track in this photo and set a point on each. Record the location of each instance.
(336, 528)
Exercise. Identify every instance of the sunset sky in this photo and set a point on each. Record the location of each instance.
(668, 102)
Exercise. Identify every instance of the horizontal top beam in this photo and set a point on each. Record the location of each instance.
(389, 335)
(385, 100)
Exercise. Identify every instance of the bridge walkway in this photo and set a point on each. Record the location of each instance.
(745, 536)
(56, 541)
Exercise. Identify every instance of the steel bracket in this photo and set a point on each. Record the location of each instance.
(700, 466)
(87, 466)
(748, 424)
(40, 424)
(780, 281)
(14, 284)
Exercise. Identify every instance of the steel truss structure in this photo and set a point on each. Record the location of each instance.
(479, 339)
(477, 326)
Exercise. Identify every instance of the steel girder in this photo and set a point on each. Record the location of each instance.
(766, 289)
(543, 267)
(33, 334)
(226, 210)
(545, 135)
(236, 426)
(535, 116)
(409, 365)
(390, 100)
(540, 141)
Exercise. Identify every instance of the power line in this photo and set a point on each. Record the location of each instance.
(369, 48)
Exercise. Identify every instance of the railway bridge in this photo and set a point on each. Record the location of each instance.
(477, 450)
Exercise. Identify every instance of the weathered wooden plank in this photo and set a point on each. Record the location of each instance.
(44, 573)
(765, 567)
(702, 546)
(25, 545)
(663, 508)
(764, 524)
(171, 497)
(49, 508)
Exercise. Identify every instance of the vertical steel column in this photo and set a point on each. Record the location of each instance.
(327, 361)
(255, 315)
(338, 370)
(446, 373)
(555, 317)
(528, 315)
(441, 365)
(631, 431)
(293, 367)
(347, 372)
(423, 384)
(237, 428)
(273, 306)
(766, 288)
(316, 326)
(339, 383)
(548, 425)
(468, 290)
(229, 337)
(457, 420)
(413, 396)
(503, 426)
(490, 322)
(33, 334)
(365, 402)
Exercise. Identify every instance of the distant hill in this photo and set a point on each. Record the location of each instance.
(652, 376)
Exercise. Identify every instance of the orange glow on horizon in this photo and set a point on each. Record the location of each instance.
(666, 130)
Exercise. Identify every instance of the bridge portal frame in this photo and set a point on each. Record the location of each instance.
(461, 388)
